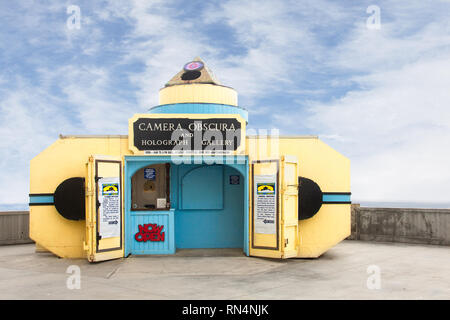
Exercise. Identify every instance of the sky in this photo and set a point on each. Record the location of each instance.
(370, 78)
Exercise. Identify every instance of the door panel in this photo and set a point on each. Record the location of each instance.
(274, 218)
(289, 206)
(104, 210)
(265, 229)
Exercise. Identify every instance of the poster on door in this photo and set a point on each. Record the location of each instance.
(109, 210)
(265, 204)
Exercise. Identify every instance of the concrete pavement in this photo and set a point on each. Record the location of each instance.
(406, 272)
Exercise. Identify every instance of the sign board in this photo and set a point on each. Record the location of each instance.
(109, 210)
(187, 134)
(265, 204)
(150, 232)
(234, 179)
(150, 173)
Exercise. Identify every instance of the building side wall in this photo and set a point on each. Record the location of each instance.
(66, 158)
(330, 170)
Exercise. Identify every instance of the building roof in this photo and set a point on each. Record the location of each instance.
(195, 71)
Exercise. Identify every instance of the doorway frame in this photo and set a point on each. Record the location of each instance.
(134, 163)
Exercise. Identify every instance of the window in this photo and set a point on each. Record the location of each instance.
(150, 188)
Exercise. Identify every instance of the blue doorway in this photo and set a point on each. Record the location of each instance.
(210, 210)
(206, 205)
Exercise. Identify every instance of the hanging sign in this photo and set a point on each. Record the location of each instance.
(265, 204)
(109, 210)
(187, 134)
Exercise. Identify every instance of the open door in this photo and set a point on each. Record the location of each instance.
(289, 206)
(104, 210)
(274, 214)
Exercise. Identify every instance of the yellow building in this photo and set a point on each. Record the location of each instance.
(188, 176)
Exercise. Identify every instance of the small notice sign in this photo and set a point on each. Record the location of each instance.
(109, 210)
(234, 179)
(150, 173)
(265, 204)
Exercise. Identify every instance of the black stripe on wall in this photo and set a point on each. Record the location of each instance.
(336, 202)
(338, 193)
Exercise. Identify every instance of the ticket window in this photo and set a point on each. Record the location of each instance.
(150, 189)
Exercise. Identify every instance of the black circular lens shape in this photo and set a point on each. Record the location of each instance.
(191, 75)
(309, 198)
(69, 199)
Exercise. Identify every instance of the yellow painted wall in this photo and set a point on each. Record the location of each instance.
(330, 170)
(66, 158)
(202, 93)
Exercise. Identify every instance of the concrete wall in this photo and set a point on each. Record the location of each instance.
(14, 227)
(422, 226)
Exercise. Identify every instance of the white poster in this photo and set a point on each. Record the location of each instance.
(109, 211)
(265, 204)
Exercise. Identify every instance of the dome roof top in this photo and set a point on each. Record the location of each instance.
(195, 71)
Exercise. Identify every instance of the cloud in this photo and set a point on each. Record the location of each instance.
(25, 117)
(379, 97)
(278, 46)
(69, 84)
(396, 132)
(390, 115)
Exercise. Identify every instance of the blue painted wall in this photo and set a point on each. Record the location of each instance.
(161, 218)
(218, 220)
(200, 108)
(226, 227)
(201, 187)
